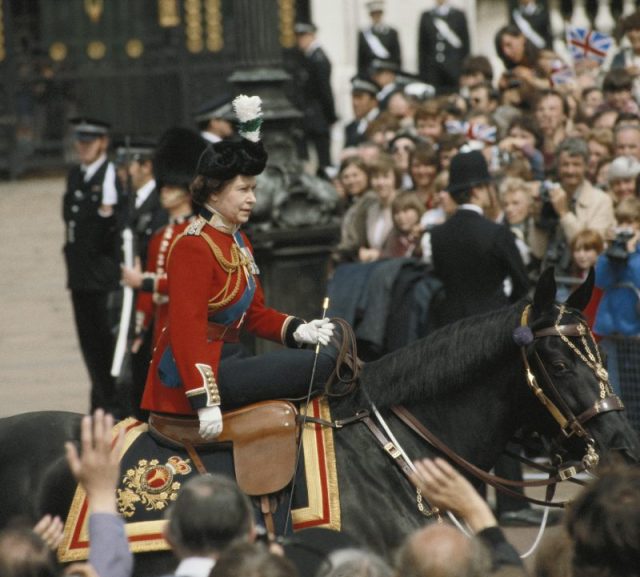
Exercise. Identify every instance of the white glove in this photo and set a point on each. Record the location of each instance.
(314, 332)
(210, 422)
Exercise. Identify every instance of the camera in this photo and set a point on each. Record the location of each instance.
(617, 250)
(548, 218)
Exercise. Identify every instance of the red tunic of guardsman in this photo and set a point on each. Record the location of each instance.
(152, 303)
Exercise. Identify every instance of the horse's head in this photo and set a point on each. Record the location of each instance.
(583, 417)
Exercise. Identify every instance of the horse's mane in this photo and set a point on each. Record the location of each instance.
(444, 361)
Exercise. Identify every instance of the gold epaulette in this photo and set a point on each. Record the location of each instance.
(195, 228)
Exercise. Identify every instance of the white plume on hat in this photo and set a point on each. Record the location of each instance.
(248, 110)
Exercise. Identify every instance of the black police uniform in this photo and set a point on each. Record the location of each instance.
(91, 253)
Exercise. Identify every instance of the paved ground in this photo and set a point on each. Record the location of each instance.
(40, 363)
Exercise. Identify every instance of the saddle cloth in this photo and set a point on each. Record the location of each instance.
(152, 474)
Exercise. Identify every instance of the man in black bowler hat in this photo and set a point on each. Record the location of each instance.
(91, 212)
(472, 255)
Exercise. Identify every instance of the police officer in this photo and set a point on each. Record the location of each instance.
(378, 40)
(91, 210)
(443, 44)
(314, 95)
(215, 119)
(364, 103)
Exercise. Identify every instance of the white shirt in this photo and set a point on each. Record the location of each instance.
(210, 137)
(379, 225)
(109, 190)
(144, 191)
(195, 567)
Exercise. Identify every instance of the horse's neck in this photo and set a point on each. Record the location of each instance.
(477, 420)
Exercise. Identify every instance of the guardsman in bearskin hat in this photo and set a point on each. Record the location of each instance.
(214, 291)
(174, 163)
(91, 212)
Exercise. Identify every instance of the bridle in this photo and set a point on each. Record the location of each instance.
(570, 424)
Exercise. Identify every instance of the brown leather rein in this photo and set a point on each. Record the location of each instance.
(569, 423)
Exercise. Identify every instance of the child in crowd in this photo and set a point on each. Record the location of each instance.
(586, 247)
(618, 275)
(406, 210)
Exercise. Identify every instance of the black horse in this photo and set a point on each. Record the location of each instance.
(467, 383)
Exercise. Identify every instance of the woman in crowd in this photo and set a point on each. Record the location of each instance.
(363, 239)
(424, 168)
(623, 173)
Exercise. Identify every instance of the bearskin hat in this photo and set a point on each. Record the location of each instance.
(227, 159)
(176, 157)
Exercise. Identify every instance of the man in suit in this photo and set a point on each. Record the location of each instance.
(91, 212)
(443, 44)
(314, 93)
(378, 40)
(532, 18)
(471, 254)
(365, 109)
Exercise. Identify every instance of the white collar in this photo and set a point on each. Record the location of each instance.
(195, 567)
(472, 207)
(442, 10)
(144, 191)
(210, 136)
(312, 47)
(92, 168)
(219, 222)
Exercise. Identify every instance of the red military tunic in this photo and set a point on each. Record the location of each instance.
(152, 303)
(208, 274)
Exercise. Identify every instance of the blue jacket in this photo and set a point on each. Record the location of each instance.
(617, 310)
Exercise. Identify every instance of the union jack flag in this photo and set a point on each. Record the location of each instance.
(473, 130)
(588, 44)
(561, 73)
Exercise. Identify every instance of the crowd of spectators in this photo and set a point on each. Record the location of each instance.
(213, 533)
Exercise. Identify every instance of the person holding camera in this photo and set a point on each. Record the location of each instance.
(568, 206)
(618, 275)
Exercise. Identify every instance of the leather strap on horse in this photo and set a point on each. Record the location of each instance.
(195, 458)
(346, 362)
(337, 424)
(499, 483)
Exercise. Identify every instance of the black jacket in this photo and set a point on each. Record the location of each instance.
(439, 63)
(388, 37)
(313, 92)
(92, 242)
(145, 220)
(472, 256)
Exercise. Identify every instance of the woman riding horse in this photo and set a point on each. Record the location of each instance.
(214, 291)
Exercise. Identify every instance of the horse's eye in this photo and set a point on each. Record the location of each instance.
(560, 367)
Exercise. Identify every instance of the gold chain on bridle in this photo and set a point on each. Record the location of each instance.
(594, 362)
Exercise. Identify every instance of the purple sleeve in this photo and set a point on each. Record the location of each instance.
(109, 550)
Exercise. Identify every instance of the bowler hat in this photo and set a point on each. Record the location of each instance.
(467, 169)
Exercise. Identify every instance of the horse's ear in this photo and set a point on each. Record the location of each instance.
(580, 297)
(545, 294)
